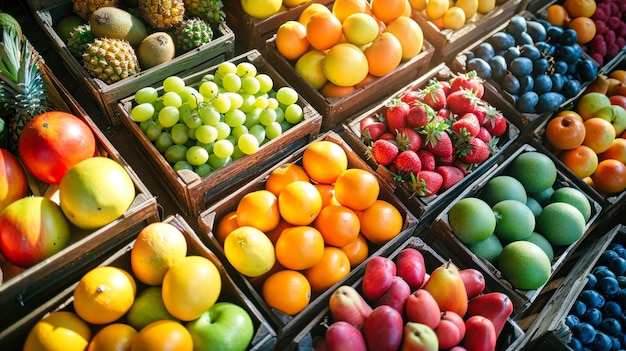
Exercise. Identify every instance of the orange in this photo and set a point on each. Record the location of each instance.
(584, 27)
(258, 209)
(368, 79)
(356, 250)
(357, 189)
(388, 10)
(116, 336)
(616, 151)
(410, 35)
(323, 30)
(557, 15)
(581, 160)
(59, 331)
(580, 8)
(104, 294)
(283, 175)
(571, 113)
(324, 160)
(288, 291)
(310, 11)
(291, 40)
(327, 192)
(384, 54)
(226, 224)
(599, 134)
(565, 132)
(330, 90)
(610, 177)
(299, 247)
(380, 222)
(338, 225)
(299, 203)
(344, 8)
(332, 268)
(618, 74)
(275, 233)
(163, 335)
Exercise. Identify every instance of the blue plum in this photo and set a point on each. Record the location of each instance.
(526, 102)
(549, 101)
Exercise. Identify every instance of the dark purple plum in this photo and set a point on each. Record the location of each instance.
(501, 41)
(602, 342)
(611, 309)
(510, 83)
(584, 332)
(516, 25)
(617, 265)
(481, 67)
(549, 101)
(498, 67)
(526, 102)
(521, 66)
(592, 316)
(611, 326)
(543, 84)
(536, 31)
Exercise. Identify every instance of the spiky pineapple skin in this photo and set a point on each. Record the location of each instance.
(209, 10)
(84, 8)
(162, 14)
(191, 34)
(79, 38)
(110, 60)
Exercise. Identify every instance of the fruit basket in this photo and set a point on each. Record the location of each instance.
(210, 222)
(336, 110)
(193, 192)
(448, 42)
(106, 96)
(427, 205)
(510, 337)
(263, 338)
(23, 289)
(251, 32)
(494, 193)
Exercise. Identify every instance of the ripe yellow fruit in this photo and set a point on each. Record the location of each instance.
(435, 9)
(454, 18)
(292, 3)
(261, 9)
(309, 66)
(116, 336)
(345, 65)
(360, 29)
(470, 7)
(59, 331)
(249, 251)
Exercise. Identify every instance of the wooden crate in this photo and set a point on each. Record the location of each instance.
(510, 337)
(264, 337)
(106, 96)
(448, 43)
(425, 207)
(285, 325)
(191, 192)
(442, 239)
(251, 33)
(335, 110)
(24, 289)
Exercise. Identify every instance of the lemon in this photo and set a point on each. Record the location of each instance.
(95, 192)
(345, 65)
(62, 331)
(261, 9)
(309, 66)
(249, 251)
(454, 18)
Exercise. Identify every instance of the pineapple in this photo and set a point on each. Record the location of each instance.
(192, 33)
(110, 60)
(208, 10)
(84, 8)
(79, 37)
(162, 14)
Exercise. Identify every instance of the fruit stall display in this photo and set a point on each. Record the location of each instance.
(111, 55)
(47, 161)
(433, 136)
(327, 245)
(152, 300)
(233, 141)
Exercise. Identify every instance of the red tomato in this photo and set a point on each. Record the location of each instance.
(52, 143)
(13, 183)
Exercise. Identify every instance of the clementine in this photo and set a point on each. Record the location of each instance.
(288, 291)
(299, 203)
(324, 160)
(599, 134)
(581, 160)
(357, 250)
(323, 30)
(357, 189)
(338, 225)
(291, 40)
(380, 222)
(610, 176)
(329, 270)
(299, 247)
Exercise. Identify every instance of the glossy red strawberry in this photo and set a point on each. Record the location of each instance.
(437, 140)
(410, 97)
(384, 151)
(495, 124)
(468, 122)
(396, 114)
(425, 183)
(419, 115)
(476, 152)
(371, 129)
(484, 135)
(462, 101)
(451, 175)
(408, 139)
(468, 81)
(433, 94)
(428, 160)
(407, 161)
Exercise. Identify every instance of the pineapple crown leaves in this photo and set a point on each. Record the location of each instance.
(432, 131)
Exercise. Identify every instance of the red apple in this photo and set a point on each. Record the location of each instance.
(13, 182)
(343, 336)
(384, 329)
(619, 100)
(396, 295)
(410, 266)
(421, 307)
(379, 273)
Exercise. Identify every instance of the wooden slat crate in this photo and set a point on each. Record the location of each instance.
(23, 289)
(510, 337)
(264, 337)
(425, 207)
(191, 192)
(336, 110)
(285, 325)
(443, 240)
(106, 96)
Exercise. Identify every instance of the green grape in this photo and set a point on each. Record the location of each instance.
(221, 103)
(247, 103)
(261, 102)
(143, 126)
(168, 116)
(206, 134)
(287, 95)
(294, 113)
(248, 143)
(272, 103)
(195, 99)
(180, 133)
(209, 114)
(192, 135)
(280, 114)
(232, 139)
(182, 164)
(226, 67)
(186, 92)
(197, 155)
(246, 69)
(146, 95)
(153, 131)
(209, 89)
(203, 169)
(163, 142)
(223, 148)
(142, 112)
(252, 118)
(273, 131)
(209, 77)
(266, 82)
(238, 131)
(217, 162)
(237, 153)
(231, 82)
(259, 132)
(223, 130)
(192, 120)
(175, 153)
(284, 125)
(250, 85)
(234, 118)
(267, 117)
(171, 99)
(173, 84)
(236, 100)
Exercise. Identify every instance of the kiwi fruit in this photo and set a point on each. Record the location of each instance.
(155, 49)
(113, 22)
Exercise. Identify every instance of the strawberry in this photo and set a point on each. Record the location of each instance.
(444, 114)
(462, 166)
(437, 139)
(495, 123)
(484, 135)
(451, 175)
(481, 110)
(445, 161)
(389, 136)
(419, 115)
(371, 129)
(427, 159)
(433, 94)
(445, 85)
(468, 81)
(408, 139)
(384, 151)
(425, 183)
(396, 114)
(476, 151)
(410, 97)
(462, 101)
(407, 162)
(469, 122)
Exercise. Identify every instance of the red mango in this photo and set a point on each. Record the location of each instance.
(410, 266)
(480, 334)
(379, 273)
(474, 281)
(495, 306)
(343, 336)
(384, 329)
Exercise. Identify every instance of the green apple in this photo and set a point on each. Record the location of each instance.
(614, 114)
(590, 103)
(225, 326)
